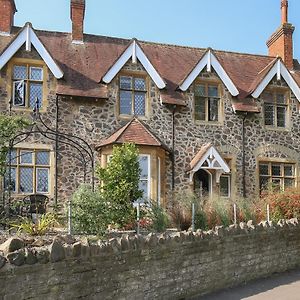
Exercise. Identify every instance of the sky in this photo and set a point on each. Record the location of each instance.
(233, 25)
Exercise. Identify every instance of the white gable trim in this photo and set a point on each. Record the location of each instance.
(210, 158)
(28, 37)
(209, 60)
(135, 52)
(280, 70)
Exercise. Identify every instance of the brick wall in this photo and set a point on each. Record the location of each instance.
(168, 266)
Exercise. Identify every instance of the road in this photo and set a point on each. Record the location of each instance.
(284, 286)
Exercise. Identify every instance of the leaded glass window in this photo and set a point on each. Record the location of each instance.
(275, 108)
(133, 93)
(27, 86)
(276, 175)
(29, 171)
(207, 102)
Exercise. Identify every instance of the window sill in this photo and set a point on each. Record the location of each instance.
(26, 109)
(129, 117)
(280, 129)
(208, 123)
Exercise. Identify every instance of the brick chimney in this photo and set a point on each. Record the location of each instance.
(7, 13)
(281, 42)
(77, 17)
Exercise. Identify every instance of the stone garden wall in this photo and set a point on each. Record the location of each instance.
(176, 265)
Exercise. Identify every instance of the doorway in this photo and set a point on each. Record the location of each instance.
(202, 183)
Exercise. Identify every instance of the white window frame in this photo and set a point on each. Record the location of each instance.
(229, 186)
(14, 93)
(149, 176)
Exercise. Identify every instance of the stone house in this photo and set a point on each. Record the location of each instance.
(216, 122)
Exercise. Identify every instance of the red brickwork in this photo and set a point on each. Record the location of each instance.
(7, 12)
(77, 17)
(281, 44)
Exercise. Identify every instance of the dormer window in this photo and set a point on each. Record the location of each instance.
(27, 85)
(207, 102)
(132, 96)
(275, 108)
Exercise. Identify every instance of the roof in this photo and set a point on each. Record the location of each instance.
(208, 158)
(85, 65)
(135, 131)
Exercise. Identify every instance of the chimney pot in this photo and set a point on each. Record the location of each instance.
(7, 13)
(77, 17)
(284, 11)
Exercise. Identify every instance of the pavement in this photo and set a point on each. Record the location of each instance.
(285, 286)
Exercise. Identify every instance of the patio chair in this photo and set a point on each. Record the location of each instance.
(34, 204)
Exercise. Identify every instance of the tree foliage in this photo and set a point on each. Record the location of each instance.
(9, 127)
(120, 183)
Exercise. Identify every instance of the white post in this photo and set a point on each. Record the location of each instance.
(138, 217)
(268, 213)
(69, 218)
(193, 217)
(234, 214)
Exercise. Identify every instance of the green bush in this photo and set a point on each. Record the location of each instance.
(159, 217)
(90, 212)
(120, 183)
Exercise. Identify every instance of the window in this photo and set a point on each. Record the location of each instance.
(275, 109)
(27, 86)
(144, 184)
(225, 186)
(30, 171)
(281, 175)
(207, 102)
(132, 95)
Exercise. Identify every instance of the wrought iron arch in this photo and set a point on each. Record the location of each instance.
(85, 153)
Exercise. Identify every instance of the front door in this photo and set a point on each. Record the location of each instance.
(202, 183)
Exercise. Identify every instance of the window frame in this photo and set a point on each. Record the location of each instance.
(148, 177)
(282, 175)
(208, 83)
(17, 165)
(133, 75)
(28, 63)
(229, 186)
(275, 91)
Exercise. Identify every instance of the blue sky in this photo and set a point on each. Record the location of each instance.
(235, 25)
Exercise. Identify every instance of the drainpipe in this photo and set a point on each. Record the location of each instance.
(173, 147)
(56, 152)
(243, 155)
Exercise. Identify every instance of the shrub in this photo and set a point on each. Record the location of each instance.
(43, 225)
(120, 183)
(159, 217)
(283, 204)
(90, 213)
(181, 211)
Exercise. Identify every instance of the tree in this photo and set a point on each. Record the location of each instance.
(120, 183)
(9, 127)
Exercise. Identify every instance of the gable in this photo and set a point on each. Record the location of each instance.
(209, 61)
(281, 72)
(28, 37)
(135, 52)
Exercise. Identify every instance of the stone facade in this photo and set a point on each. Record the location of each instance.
(178, 265)
(95, 120)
